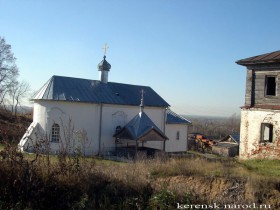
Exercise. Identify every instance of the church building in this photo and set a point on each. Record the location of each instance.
(97, 116)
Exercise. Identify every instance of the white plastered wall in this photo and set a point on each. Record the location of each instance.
(174, 145)
(250, 134)
(84, 118)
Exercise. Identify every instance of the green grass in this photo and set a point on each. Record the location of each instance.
(263, 167)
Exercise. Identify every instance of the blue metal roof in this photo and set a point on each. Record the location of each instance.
(93, 91)
(234, 137)
(173, 118)
(138, 127)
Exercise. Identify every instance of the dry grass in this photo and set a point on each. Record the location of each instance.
(227, 180)
(2, 146)
(41, 181)
(199, 167)
(12, 128)
(35, 181)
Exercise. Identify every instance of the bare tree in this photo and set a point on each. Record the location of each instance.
(216, 127)
(8, 69)
(17, 92)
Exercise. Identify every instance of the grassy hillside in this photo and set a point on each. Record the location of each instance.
(37, 181)
(12, 128)
(34, 181)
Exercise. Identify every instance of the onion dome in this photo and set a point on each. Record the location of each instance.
(104, 65)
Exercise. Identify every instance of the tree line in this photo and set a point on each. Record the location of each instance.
(12, 89)
(216, 127)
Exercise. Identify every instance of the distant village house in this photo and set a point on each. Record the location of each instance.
(228, 146)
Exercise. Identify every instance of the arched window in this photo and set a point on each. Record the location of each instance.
(55, 133)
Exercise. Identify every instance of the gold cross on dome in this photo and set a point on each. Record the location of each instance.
(105, 48)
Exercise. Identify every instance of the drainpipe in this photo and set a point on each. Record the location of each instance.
(164, 123)
(100, 129)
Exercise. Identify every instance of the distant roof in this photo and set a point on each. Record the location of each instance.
(225, 145)
(234, 138)
(273, 57)
(140, 126)
(173, 118)
(60, 88)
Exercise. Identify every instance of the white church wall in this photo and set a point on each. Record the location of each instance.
(84, 120)
(118, 115)
(251, 145)
(39, 114)
(174, 144)
(26, 142)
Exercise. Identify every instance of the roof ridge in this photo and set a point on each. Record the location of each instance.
(99, 80)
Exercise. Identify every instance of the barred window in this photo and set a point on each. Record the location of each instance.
(55, 133)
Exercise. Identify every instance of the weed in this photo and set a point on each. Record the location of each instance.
(167, 199)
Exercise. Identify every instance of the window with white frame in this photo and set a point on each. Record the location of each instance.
(266, 132)
(55, 133)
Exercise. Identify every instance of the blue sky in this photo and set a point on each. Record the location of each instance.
(184, 49)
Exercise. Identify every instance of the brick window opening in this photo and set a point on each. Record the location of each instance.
(55, 133)
(270, 89)
(266, 132)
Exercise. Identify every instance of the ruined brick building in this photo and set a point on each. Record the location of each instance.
(260, 126)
